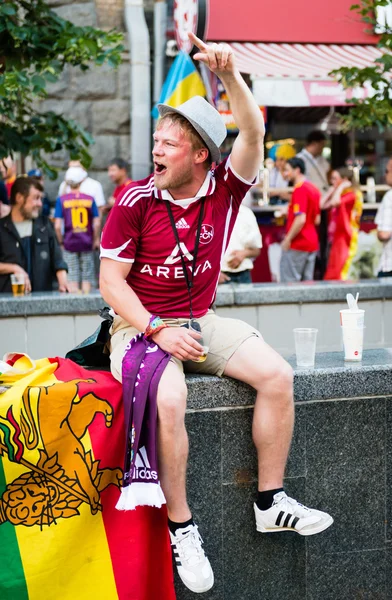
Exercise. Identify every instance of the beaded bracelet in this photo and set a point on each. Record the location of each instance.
(155, 324)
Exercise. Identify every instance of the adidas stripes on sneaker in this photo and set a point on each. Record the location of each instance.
(286, 514)
(192, 564)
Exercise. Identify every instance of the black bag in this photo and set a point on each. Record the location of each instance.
(93, 351)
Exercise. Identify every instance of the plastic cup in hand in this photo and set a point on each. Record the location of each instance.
(353, 343)
(305, 346)
(18, 284)
(200, 341)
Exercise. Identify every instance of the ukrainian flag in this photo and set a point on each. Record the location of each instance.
(182, 83)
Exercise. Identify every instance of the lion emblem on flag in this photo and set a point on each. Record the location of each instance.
(51, 426)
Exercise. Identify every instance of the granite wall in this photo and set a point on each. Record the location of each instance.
(99, 99)
(340, 461)
(66, 319)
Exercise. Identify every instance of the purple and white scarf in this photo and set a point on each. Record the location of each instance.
(142, 366)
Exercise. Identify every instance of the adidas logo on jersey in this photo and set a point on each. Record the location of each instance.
(182, 224)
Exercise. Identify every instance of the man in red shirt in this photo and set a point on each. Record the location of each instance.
(300, 245)
(118, 173)
(161, 253)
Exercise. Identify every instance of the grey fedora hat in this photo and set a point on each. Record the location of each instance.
(205, 119)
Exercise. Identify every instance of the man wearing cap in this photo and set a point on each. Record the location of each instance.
(160, 262)
(77, 226)
(28, 244)
(88, 186)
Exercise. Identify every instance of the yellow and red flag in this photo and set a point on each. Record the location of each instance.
(62, 445)
(345, 221)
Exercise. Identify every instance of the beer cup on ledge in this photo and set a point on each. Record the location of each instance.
(18, 284)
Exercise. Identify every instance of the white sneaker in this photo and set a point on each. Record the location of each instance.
(192, 564)
(286, 514)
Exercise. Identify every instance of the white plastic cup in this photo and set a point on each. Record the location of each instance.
(353, 343)
(352, 318)
(305, 346)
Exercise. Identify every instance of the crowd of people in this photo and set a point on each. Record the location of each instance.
(54, 245)
(74, 222)
(167, 241)
(315, 188)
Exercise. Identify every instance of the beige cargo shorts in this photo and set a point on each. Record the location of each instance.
(223, 336)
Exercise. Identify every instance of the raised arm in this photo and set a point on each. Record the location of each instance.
(335, 197)
(247, 150)
(326, 200)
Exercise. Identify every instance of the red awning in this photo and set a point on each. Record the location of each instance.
(279, 21)
(297, 74)
(301, 61)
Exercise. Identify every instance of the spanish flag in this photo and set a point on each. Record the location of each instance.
(62, 445)
(182, 83)
(345, 222)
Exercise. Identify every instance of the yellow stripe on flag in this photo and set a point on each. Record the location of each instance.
(191, 86)
(355, 222)
(81, 569)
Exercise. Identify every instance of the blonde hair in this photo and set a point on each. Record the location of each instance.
(196, 140)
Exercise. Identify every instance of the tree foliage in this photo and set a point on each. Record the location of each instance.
(35, 46)
(377, 109)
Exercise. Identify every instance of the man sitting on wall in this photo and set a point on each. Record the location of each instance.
(161, 253)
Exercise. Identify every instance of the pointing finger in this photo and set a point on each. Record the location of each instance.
(197, 41)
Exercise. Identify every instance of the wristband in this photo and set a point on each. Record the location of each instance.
(155, 324)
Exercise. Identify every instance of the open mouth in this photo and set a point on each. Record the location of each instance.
(159, 168)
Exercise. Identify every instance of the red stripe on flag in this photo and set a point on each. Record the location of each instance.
(138, 540)
(15, 437)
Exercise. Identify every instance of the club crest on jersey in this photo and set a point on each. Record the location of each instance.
(206, 234)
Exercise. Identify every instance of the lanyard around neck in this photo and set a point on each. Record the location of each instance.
(189, 281)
